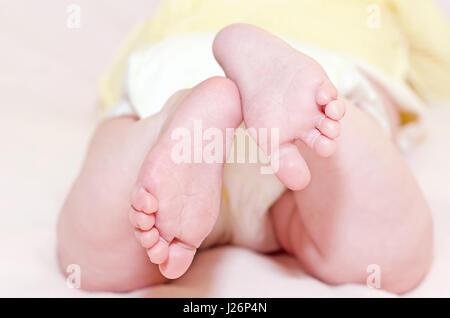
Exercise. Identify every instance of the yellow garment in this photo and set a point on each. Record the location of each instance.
(407, 39)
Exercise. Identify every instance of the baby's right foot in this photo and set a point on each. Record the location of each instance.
(284, 89)
(175, 205)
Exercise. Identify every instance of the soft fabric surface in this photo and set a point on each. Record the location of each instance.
(48, 114)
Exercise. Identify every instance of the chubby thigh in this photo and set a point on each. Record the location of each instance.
(93, 228)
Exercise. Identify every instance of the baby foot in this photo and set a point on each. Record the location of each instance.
(284, 89)
(174, 205)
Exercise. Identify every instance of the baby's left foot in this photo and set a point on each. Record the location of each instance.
(175, 205)
(283, 89)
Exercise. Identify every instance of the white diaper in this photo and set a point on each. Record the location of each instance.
(180, 62)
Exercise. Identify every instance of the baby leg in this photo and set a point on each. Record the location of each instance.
(281, 89)
(175, 205)
(94, 229)
(362, 207)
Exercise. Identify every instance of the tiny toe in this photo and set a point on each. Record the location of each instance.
(324, 146)
(147, 238)
(327, 92)
(329, 127)
(290, 167)
(141, 220)
(335, 110)
(159, 252)
(179, 260)
(143, 201)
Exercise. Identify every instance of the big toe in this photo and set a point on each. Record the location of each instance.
(290, 167)
(179, 260)
(143, 201)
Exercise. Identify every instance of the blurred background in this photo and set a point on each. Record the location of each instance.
(48, 83)
(48, 102)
